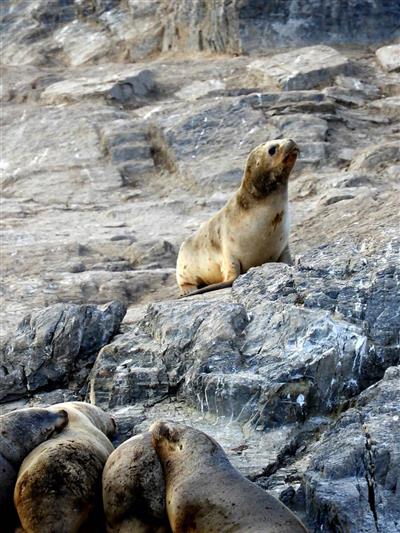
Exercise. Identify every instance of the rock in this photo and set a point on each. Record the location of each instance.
(207, 143)
(389, 57)
(81, 43)
(251, 26)
(55, 347)
(125, 85)
(304, 68)
(160, 253)
(200, 88)
(115, 153)
(390, 106)
(140, 29)
(290, 345)
(351, 483)
(376, 157)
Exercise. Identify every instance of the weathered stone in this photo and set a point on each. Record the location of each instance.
(377, 157)
(194, 140)
(55, 347)
(81, 43)
(295, 343)
(140, 30)
(352, 482)
(390, 106)
(253, 26)
(200, 88)
(126, 85)
(104, 179)
(304, 68)
(389, 57)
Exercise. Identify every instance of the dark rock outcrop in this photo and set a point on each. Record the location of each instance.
(56, 347)
(352, 483)
(290, 343)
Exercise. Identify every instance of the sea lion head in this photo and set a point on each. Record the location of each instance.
(24, 429)
(173, 441)
(268, 167)
(99, 418)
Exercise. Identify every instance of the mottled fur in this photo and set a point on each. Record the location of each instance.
(20, 432)
(58, 489)
(206, 494)
(251, 229)
(134, 489)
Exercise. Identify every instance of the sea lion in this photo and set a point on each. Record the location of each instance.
(206, 494)
(251, 229)
(20, 432)
(134, 489)
(59, 483)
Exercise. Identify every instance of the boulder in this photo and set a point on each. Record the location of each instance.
(304, 68)
(125, 85)
(389, 57)
(55, 347)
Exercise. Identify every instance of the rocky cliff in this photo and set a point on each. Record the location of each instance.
(125, 125)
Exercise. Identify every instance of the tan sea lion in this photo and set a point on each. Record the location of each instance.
(134, 489)
(206, 494)
(58, 489)
(251, 229)
(20, 432)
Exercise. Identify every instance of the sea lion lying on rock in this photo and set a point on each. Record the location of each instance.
(134, 489)
(20, 432)
(206, 494)
(251, 229)
(58, 489)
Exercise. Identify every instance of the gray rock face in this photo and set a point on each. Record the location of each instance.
(352, 481)
(79, 33)
(251, 26)
(56, 347)
(291, 343)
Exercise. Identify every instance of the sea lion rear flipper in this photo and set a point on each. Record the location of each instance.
(209, 288)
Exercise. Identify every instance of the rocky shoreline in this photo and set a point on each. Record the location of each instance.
(122, 134)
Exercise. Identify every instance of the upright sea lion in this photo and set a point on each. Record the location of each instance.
(58, 489)
(20, 432)
(206, 494)
(251, 229)
(134, 489)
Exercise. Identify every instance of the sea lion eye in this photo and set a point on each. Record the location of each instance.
(272, 150)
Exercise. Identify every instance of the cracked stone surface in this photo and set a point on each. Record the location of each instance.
(56, 347)
(352, 481)
(126, 125)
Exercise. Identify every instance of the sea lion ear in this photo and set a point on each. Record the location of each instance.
(113, 427)
(160, 429)
(63, 420)
(165, 430)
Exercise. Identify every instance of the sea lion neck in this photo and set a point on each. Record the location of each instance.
(260, 183)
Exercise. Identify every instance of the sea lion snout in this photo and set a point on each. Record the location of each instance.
(289, 146)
